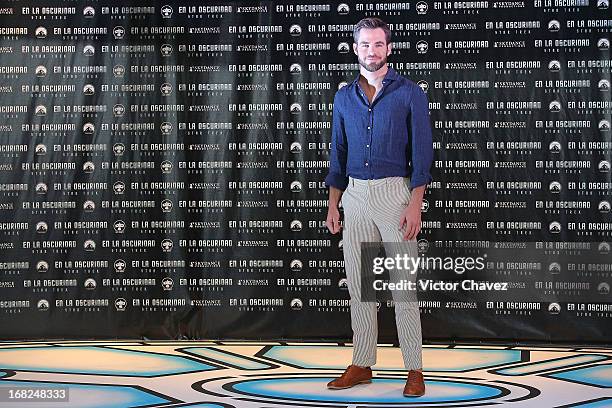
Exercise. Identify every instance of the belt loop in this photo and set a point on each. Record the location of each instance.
(353, 181)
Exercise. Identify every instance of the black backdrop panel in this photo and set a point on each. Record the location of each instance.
(162, 166)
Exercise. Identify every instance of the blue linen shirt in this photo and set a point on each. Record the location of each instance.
(390, 137)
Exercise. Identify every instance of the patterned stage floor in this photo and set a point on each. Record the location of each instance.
(274, 375)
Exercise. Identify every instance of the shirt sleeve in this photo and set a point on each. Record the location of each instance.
(339, 147)
(422, 143)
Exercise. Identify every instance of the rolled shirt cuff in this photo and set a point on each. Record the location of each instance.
(417, 180)
(336, 180)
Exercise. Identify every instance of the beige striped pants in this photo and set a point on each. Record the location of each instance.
(372, 210)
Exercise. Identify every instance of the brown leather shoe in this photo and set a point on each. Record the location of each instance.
(353, 375)
(415, 385)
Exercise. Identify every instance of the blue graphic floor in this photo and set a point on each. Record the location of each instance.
(275, 375)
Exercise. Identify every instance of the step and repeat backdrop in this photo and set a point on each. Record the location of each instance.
(162, 167)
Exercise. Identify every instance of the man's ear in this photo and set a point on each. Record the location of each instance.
(389, 46)
(355, 49)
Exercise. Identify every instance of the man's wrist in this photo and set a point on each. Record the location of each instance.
(417, 193)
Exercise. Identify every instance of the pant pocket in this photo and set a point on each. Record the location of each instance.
(344, 199)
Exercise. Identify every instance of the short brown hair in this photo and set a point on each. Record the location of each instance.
(371, 23)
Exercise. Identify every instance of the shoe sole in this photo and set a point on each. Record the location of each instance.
(349, 386)
(414, 395)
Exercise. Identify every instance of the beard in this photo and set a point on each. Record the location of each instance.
(373, 66)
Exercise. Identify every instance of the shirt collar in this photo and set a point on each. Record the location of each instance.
(389, 76)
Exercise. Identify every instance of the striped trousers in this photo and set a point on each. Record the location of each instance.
(372, 210)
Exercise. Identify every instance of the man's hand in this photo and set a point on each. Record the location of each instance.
(333, 219)
(411, 217)
(333, 214)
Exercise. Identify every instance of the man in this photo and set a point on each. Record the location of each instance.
(380, 124)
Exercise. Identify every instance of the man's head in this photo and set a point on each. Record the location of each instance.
(372, 43)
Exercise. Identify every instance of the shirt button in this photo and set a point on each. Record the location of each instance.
(367, 145)
(369, 110)
(366, 163)
(368, 127)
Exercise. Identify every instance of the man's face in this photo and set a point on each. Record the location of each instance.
(372, 49)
